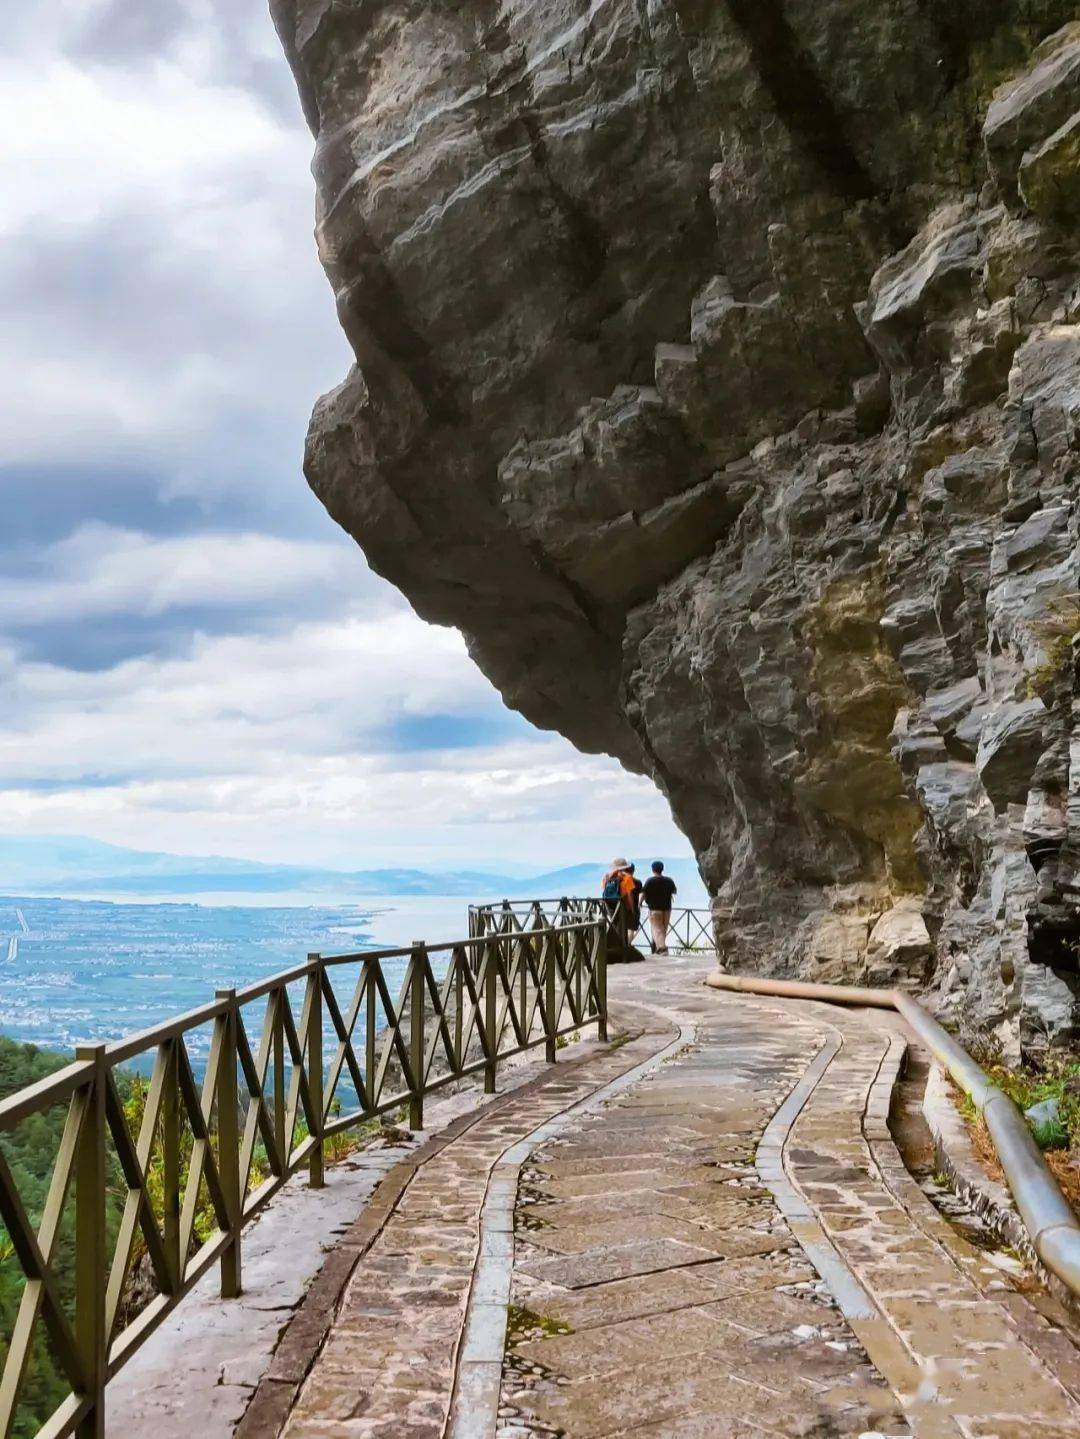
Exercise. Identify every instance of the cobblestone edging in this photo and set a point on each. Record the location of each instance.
(956, 1159)
(869, 1326)
(301, 1338)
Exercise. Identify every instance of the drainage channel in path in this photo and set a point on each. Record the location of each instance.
(659, 1288)
(1048, 1328)
(957, 1354)
(912, 1137)
(708, 1232)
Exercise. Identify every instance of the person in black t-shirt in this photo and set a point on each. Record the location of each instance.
(658, 892)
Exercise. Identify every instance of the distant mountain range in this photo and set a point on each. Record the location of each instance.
(67, 865)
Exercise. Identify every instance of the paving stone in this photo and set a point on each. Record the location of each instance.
(642, 1277)
(388, 1363)
(708, 1348)
(617, 1261)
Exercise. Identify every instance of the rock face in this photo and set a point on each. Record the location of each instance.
(718, 373)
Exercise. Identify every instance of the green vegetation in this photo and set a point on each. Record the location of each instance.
(1056, 631)
(1059, 1080)
(621, 1039)
(336, 1148)
(522, 1324)
(30, 1150)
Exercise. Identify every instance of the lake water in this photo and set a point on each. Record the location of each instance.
(76, 970)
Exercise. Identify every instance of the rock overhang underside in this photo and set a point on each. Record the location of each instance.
(718, 374)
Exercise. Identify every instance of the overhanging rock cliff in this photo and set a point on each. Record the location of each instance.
(718, 373)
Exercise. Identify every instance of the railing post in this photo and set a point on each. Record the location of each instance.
(523, 991)
(279, 998)
(460, 960)
(550, 1018)
(316, 1174)
(91, 1263)
(170, 1167)
(600, 978)
(417, 1035)
(228, 1127)
(369, 1031)
(491, 999)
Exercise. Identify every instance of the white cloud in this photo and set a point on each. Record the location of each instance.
(167, 327)
(241, 703)
(104, 140)
(100, 570)
(161, 292)
(275, 747)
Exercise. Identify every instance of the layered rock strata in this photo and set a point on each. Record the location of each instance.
(718, 373)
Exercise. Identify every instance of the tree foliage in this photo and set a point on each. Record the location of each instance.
(30, 1151)
(31, 1148)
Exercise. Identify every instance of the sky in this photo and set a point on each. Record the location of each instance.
(192, 656)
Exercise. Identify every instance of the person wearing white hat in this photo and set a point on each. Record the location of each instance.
(619, 887)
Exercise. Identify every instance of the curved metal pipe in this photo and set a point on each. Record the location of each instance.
(1048, 1216)
(801, 989)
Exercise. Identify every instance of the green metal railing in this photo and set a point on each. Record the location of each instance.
(276, 1101)
(691, 930)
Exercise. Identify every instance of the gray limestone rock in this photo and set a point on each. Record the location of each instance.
(899, 945)
(718, 375)
(1012, 741)
(1044, 1115)
(1050, 174)
(1025, 110)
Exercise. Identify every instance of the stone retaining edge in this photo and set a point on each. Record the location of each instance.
(866, 1319)
(474, 1404)
(1051, 1223)
(303, 1336)
(956, 1161)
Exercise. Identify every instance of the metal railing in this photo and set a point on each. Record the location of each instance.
(220, 1149)
(1051, 1222)
(517, 916)
(691, 930)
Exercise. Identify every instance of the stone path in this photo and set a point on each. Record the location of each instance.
(705, 1231)
(685, 1307)
(387, 1366)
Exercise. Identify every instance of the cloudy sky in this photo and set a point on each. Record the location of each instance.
(192, 656)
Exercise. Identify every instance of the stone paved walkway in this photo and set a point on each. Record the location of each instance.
(626, 1247)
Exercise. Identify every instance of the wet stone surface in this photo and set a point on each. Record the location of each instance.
(651, 1262)
(978, 1373)
(388, 1365)
(667, 1292)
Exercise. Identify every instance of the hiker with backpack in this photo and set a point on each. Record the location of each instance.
(619, 888)
(618, 896)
